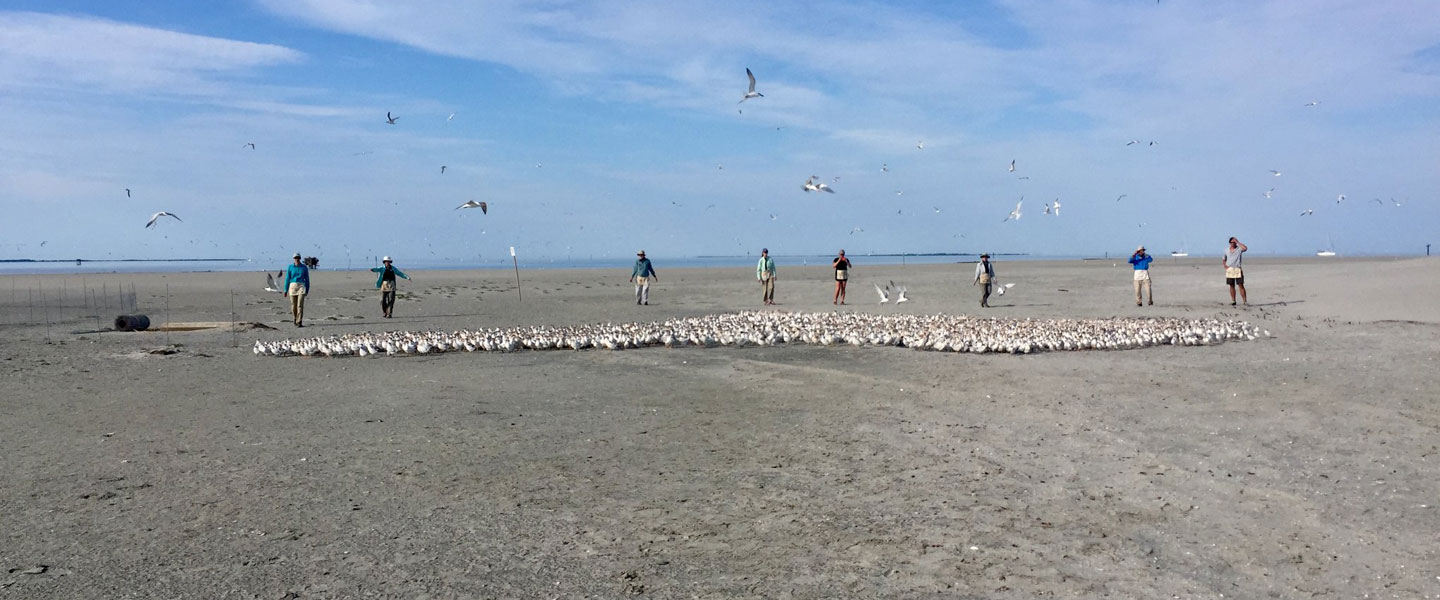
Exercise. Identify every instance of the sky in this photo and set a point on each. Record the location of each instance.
(593, 129)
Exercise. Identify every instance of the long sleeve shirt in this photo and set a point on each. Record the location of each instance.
(766, 266)
(984, 267)
(297, 274)
(643, 269)
(394, 272)
(1142, 263)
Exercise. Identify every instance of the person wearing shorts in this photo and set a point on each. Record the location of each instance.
(641, 275)
(765, 272)
(1234, 271)
(1141, 261)
(984, 275)
(387, 284)
(842, 275)
(297, 284)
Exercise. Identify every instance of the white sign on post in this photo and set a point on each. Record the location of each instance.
(512, 251)
(517, 274)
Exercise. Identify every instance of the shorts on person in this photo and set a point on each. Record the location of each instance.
(1234, 276)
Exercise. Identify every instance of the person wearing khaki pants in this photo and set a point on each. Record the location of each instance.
(765, 272)
(297, 284)
(1141, 262)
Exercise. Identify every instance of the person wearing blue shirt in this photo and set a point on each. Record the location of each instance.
(1141, 261)
(386, 282)
(641, 275)
(297, 284)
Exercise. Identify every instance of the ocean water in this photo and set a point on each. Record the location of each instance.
(661, 263)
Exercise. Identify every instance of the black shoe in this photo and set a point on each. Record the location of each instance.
(1232, 304)
(299, 324)
(1152, 303)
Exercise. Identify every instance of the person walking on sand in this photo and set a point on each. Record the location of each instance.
(386, 283)
(984, 275)
(1234, 273)
(641, 275)
(765, 272)
(297, 284)
(1141, 261)
(842, 275)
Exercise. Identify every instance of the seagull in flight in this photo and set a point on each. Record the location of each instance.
(1056, 207)
(920, 145)
(270, 285)
(1132, 142)
(1268, 192)
(442, 169)
(127, 193)
(1380, 202)
(1307, 212)
(389, 119)
(1015, 214)
(884, 167)
(1274, 172)
(1118, 198)
(937, 209)
(856, 230)
(750, 93)
(1047, 208)
(1012, 166)
(451, 117)
(250, 144)
(899, 292)
(1397, 204)
(884, 295)
(813, 184)
(156, 217)
(1340, 198)
(1313, 103)
(484, 208)
(1000, 288)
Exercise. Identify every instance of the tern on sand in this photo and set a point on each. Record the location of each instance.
(156, 217)
(389, 119)
(484, 208)
(751, 93)
(1015, 214)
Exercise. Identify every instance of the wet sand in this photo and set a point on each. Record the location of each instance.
(1297, 466)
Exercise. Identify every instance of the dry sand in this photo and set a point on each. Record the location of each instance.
(1294, 467)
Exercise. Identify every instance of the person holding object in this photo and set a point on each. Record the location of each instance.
(641, 275)
(1141, 262)
(842, 275)
(1234, 273)
(765, 272)
(386, 283)
(984, 276)
(297, 284)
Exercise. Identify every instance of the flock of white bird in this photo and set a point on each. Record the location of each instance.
(944, 333)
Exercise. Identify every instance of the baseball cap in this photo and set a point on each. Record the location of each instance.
(764, 250)
(984, 256)
(640, 253)
(386, 259)
(297, 255)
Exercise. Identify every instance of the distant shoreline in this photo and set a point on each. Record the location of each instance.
(98, 260)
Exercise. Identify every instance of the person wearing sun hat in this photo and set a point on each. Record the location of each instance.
(765, 272)
(641, 275)
(1141, 261)
(386, 282)
(984, 277)
(297, 284)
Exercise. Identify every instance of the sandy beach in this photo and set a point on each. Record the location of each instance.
(1298, 466)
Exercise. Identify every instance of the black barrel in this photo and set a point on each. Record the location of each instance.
(132, 323)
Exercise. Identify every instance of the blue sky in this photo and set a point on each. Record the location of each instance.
(595, 128)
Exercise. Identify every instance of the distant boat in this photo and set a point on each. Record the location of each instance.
(1182, 252)
(1331, 251)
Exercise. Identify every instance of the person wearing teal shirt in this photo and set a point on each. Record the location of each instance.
(765, 272)
(386, 283)
(641, 275)
(1141, 261)
(296, 286)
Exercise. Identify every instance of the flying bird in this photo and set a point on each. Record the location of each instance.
(1313, 103)
(856, 230)
(884, 295)
(389, 119)
(1268, 192)
(1380, 202)
(442, 169)
(127, 193)
(1132, 142)
(1047, 208)
(1012, 166)
(814, 185)
(1397, 204)
(270, 285)
(156, 217)
(899, 292)
(1274, 172)
(884, 167)
(920, 145)
(1015, 214)
(250, 144)
(1340, 198)
(1056, 207)
(484, 208)
(1000, 288)
(451, 117)
(1118, 198)
(1307, 212)
(937, 209)
(750, 93)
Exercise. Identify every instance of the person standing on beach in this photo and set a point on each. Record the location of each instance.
(1234, 274)
(641, 275)
(984, 275)
(1141, 261)
(842, 275)
(386, 283)
(765, 272)
(297, 284)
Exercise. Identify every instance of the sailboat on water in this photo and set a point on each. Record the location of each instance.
(1330, 252)
(1183, 251)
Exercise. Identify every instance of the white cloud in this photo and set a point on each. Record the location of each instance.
(42, 50)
